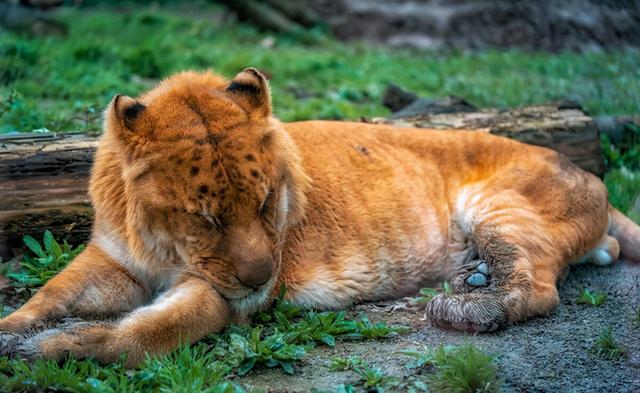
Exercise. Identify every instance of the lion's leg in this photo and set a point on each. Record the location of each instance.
(93, 286)
(514, 277)
(605, 253)
(184, 314)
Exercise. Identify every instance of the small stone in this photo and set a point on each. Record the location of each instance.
(483, 268)
(477, 280)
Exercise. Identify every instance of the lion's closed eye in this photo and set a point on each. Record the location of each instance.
(266, 210)
(215, 222)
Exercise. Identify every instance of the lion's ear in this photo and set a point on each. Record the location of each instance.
(128, 119)
(250, 90)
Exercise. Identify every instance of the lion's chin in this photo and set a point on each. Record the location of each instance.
(253, 301)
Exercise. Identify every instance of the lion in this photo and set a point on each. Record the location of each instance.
(205, 205)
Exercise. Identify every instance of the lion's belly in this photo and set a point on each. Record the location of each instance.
(392, 268)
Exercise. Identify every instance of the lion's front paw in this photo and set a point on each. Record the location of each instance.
(8, 343)
(470, 312)
(73, 337)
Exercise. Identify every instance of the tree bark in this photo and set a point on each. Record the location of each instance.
(43, 185)
(44, 177)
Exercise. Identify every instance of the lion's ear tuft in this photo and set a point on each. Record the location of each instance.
(128, 111)
(127, 119)
(250, 90)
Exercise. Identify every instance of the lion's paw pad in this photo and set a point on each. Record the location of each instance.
(477, 280)
(478, 275)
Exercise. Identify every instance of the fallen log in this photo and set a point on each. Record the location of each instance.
(43, 177)
(43, 185)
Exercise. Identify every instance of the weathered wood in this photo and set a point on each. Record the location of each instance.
(43, 185)
(43, 177)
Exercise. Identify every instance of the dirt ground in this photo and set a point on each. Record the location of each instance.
(548, 354)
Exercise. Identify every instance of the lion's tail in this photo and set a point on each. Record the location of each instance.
(627, 233)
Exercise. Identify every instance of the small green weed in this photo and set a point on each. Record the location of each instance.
(310, 327)
(636, 317)
(40, 264)
(371, 378)
(274, 350)
(605, 346)
(426, 294)
(595, 299)
(364, 329)
(374, 379)
(446, 288)
(463, 369)
(345, 364)
(280, 311)
(290, 333)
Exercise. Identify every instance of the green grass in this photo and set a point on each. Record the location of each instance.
(595, 299)
(188, 369)
(606, 346)
(457, 369)
(63, 83)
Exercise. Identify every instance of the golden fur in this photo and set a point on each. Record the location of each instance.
(205, 204)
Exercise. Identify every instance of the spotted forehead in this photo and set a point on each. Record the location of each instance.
(220, 159)
(220, 175)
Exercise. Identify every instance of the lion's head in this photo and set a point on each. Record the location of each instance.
(210, 177)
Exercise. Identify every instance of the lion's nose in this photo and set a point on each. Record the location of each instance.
(254, 273)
